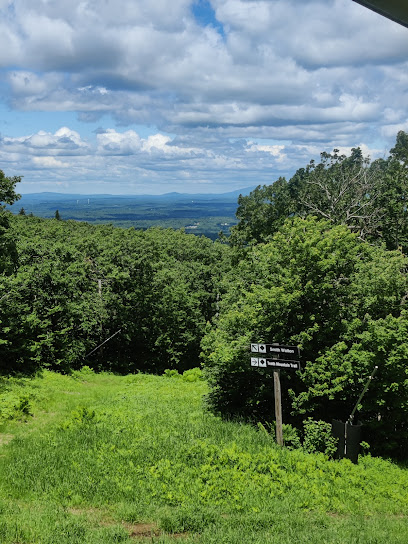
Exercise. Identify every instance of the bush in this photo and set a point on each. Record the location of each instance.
(318, 437)
(193, 375)
(342, 302)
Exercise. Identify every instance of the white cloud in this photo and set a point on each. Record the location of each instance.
(306, 75)
(49, 162)
(158, 142)
(63, 142)
(111, 142)
(114, 143)
(274, 150)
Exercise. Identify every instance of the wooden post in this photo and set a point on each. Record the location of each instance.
(278, 407)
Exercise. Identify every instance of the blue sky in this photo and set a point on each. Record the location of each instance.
(136, 96)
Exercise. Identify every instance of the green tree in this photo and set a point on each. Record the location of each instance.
(400, 150)
(8, 254)
(370, 198)
(7, 188)
(262, 212)
(57, 215)
(340, 300)
(394, 195)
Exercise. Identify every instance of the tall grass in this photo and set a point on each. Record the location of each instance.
(106, 459)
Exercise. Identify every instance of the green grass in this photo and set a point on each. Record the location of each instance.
(106, 459)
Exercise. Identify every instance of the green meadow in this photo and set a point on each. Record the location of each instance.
(100, 459)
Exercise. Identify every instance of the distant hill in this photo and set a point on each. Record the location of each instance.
(206, 214)
(53, 196)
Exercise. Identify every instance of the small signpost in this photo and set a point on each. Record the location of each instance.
(277, 357)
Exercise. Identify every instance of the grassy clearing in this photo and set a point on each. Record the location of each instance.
(105, 459)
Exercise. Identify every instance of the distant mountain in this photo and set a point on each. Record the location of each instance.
(201, 213)
(53, 196)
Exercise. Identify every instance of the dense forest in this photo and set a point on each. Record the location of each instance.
(317, 261)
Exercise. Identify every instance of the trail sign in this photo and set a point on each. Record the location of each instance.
(280, 357)
(276, 363)
(277, 350)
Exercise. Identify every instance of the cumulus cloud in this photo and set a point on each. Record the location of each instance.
(111, 142)
(214, 90)
(274, 150)
(49, 162)
(115, 143)
(63, 142)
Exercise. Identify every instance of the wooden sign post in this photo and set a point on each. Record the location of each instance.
(280, 357)
(278, 407)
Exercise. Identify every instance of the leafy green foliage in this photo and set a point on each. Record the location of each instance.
(76, 286)
(291, 438)
(262, 212)
(342, 302)
(368, 197)
(7, 188)
(140, 459)
(318, 437)
(8, 254)
(16, 398)
(191, 375)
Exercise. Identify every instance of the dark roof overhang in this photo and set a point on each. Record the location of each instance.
(396, 10)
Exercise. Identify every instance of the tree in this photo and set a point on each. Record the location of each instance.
(262, 212)
(8, 254)
(394, 195)
(7, 188)
(344, 190)
(57, 215)
(400, 150)
(342, 302)
(370, 198)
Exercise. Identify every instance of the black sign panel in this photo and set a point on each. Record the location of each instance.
(277, 351)
(275, 363)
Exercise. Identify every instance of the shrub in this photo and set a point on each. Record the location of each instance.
(342, 302)
(318, 437)
(193, 375)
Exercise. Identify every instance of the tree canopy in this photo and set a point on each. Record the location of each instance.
(369, 197)
(8, 252)
(342, 301)
(7, 188)
(76, 285)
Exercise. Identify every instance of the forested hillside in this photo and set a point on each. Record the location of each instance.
(317, 261)
(75, 285)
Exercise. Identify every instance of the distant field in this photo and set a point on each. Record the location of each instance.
(199, 214)
(102, 459)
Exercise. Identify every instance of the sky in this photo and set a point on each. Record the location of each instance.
(193, 96)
